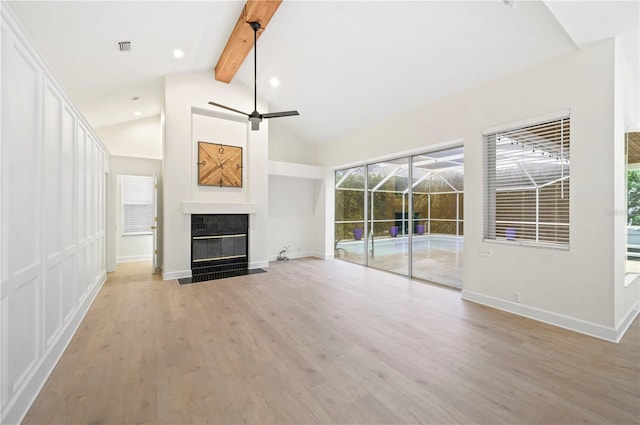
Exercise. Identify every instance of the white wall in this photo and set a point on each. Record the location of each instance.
(291, 216)
(631, 92)
(286, 146)
(138, 138)
(573, 288)
(296, 209)
(626, 296)
(52, 204)
(325, 210)
(189, 119)
(134, 248)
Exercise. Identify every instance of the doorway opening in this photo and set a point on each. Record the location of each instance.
(135, 218)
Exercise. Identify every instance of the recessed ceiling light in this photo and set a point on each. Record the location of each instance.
(137, 113)
(177, 53)
(136, 99)
(274, 82)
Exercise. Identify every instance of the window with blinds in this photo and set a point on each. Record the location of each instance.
(137, 204)
(527, 184)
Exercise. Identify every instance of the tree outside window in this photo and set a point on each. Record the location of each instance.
(633, 197)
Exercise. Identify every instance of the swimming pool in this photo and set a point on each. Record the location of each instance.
(400, 244)
(435, 258)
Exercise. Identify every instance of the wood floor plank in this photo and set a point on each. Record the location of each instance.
(319, 342)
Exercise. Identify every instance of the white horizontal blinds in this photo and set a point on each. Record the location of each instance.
(137, 204)
(527, 183)
(489, 219)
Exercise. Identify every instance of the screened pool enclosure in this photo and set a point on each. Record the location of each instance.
(404, 215)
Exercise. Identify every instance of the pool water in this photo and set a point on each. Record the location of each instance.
(399, 245)
(435, 258)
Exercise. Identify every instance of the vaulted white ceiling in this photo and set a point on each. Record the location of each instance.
(343, 65)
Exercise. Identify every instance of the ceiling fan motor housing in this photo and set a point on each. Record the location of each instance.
(255, 119)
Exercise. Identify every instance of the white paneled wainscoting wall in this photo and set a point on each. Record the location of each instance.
(52, 215)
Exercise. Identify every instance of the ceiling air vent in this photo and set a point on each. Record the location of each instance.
(123, 46)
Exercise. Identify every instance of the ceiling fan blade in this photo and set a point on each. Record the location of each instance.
(227, 108)
(280, 114)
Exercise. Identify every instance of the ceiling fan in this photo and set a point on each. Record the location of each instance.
(256, 118)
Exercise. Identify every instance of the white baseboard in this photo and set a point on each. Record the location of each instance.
(325, 256)
(577, 325)
(16, 410)
(175, 275)
(258, 264)
(292, 256)
(130, 258)
(625, 322)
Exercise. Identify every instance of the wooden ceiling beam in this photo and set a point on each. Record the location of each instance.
(241, 38)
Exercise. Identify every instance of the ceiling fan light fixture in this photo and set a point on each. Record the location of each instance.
(255, 123)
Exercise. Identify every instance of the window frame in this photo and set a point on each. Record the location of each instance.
(491, 157)
(123, 203)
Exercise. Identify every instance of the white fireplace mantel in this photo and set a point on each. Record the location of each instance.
(189, 207)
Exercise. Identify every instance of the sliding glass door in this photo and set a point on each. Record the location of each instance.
(438, 195)
(408, 220)
(349, 215)
(388, 224)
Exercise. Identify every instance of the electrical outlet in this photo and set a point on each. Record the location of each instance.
(516, 296)
(485, 252)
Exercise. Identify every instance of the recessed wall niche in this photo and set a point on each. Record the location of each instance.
(217, 129)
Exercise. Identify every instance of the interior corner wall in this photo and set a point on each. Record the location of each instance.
(631, 94)
(124, 165)
(139, 138)
(325, 208)
(627, 296)
(187, 118)
(291, 216)
(570, 288)
(52, 214)
(632, 100)
(286, 146)
(297, 202)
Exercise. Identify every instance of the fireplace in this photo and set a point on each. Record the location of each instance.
(219, 246)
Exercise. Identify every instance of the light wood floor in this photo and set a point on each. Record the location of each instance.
(316, 341)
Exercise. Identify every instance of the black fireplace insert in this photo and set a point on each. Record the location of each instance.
(219, 246)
